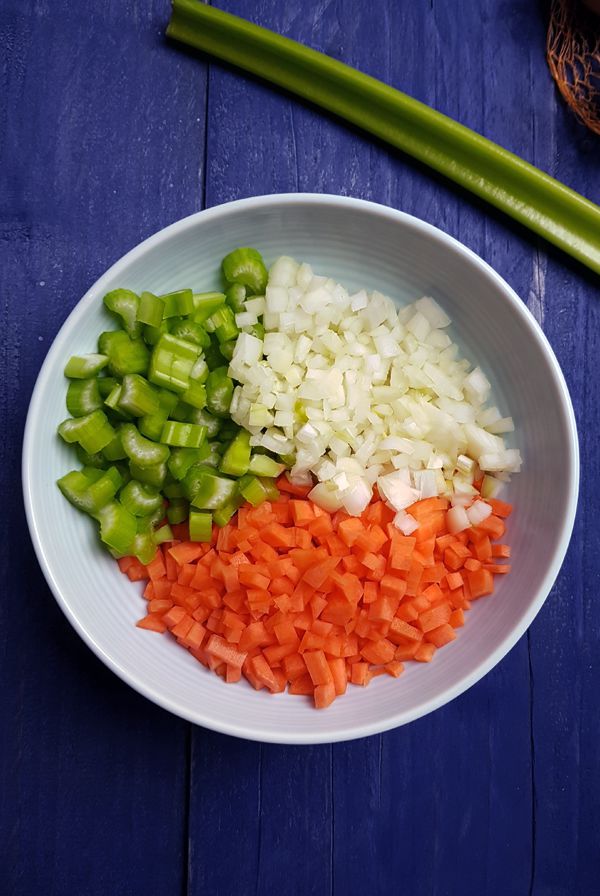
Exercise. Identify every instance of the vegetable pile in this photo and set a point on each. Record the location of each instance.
(307, 478)
(291, 596)
(355, 392)
(150, 416)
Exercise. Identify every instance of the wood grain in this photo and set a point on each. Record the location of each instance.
(107, 133)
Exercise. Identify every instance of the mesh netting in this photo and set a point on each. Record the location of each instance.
(573, 49)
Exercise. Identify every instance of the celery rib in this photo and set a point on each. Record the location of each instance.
(530, 196)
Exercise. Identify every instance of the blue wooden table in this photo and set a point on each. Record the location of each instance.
(107, 134)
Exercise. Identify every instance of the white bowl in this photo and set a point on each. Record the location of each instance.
(362, 245)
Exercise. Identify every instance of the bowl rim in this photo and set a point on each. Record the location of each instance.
(333, 734)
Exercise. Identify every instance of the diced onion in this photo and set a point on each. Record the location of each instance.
(363, 393)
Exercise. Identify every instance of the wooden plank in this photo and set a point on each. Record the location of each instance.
(102, 144)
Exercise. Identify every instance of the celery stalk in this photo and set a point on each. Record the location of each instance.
(528, 195)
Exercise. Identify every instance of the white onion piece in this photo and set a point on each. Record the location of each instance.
(457, 520)
(478, 512)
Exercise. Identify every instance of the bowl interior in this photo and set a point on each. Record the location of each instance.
(361, 245)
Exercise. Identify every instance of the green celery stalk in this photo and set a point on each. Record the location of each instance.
(528, 195)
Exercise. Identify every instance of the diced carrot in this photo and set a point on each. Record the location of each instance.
(390, 586)
(499, 508)
(481, 583)
(435, 617)
(289, 593)
(302, 685)
(186, 552)
(317, 666)
(394, 668)
(359, 674)
(457, 618)
(153, 622)
(339, 675)
(425, 653)
(441, 635)
(401, 631)
(294, 666)
(324, 695)
(378, 652)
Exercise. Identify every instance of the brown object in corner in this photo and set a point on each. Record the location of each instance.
(573, 53)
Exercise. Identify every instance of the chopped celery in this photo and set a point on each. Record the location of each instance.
(80, 367)
(219, 392)
(178, 304)
(183, 435)
(124, 304)
(236, 460)
(261, 465)
(142, 451)
(200, 526)
(83, 397)
(247, 267)
(140, 499)
(151, 309)
(137, 396)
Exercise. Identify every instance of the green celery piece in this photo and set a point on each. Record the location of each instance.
(205, 304)
(106, 384)
(151, 425)
(213, 356)
(191, 332)
(235, 296)
(178, 304)
(154, 475)
(125, 355)
(97, 460)
(257, 330)
(202, 416)
(143, 452)
(137, 396)
(114, 450)
(113, 400)
(200, 526)
(124, 304)
(140, 499)
(150, 310)
(183, 435)
(93, 432)
(227, 348)
(219, 392)
(223, 321)
(211, 490)
(246, 266)
(144, 547)
(195, 395)
(172, 362)
(173, 490)
(253, 490)
(177, 511)
(83, 397)
(151, 334)
(215, 452)
(117, 527)
(261, 465)
(182, 459)
(530, 196)
(90, 497)
(165, 533)
(223, 514)
(81, 367)
(236, 460)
